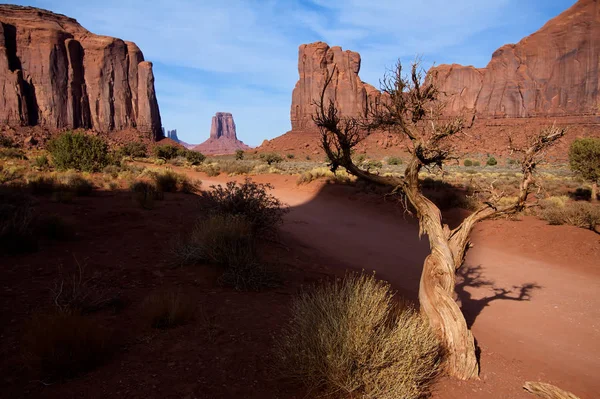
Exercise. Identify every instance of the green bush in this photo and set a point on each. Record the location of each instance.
(371, 164)
(290, 156)
(271, 158)
(194, 157)
(248, 200)
(394, 161)
(468, 162)
(134, 149)
(239, 155)
(584, 159)
(6, 142)
(491, 161)
(79, 151)
(350, 337)
(476, 163)
(165, 151)
(41, 162)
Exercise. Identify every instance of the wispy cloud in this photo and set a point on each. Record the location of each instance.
(240, 56)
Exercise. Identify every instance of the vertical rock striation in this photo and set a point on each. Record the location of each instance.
(315, 62)
(553, 72)
(56, 74)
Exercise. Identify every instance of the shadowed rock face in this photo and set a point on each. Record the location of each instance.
(56, 74)
(553, 72)
(351, 95)
(223, 137)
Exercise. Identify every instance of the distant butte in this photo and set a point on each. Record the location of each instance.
(223, 136)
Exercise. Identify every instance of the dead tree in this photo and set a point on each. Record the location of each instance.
(411, 108)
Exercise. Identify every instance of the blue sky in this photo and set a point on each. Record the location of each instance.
(240, 56)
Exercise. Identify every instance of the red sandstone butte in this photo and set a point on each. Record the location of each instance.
(56, 74)
(223, 137)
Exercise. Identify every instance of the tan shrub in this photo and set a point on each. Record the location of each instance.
(62, 345)
(349, 336)
(168, 309)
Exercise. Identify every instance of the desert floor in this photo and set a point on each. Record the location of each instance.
(529, 291)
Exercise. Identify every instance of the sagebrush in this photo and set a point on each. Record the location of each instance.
(350, 336)
(249, 200)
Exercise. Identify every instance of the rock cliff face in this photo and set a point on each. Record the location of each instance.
(223, 136)
(553, 72)
(56, 74)
(315, 62)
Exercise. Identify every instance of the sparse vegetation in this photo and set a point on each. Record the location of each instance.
(468, 162)
(62, 345)
(271, 158)
(165, 151)
(575, 213)
(350, 336)
(169, 309)
(55, 227)
(340, 176)
(584, 159)
(194, 157)
(228, 242)
(168, 181)
(16, 222)
(78, 151)
(239, 155)
(394, 161)
(145, 193)
(249, 200)
(290, 156)
(42, 162)
(134, 149)
(491, 161)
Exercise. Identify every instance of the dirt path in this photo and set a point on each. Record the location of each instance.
(529, 290)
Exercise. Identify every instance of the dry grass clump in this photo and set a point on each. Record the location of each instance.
(63, 345)
(235, 168)
(575, 213)
(70, 182)
(80, 292)
(145, 193)
(226, 241)
(169, 309)
(349, 336)
(341, 176)
(169, 181)
(55, 227)
(547, 391)
(250, 201)
(16, 222)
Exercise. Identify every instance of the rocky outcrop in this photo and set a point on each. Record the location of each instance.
(351, 95)
(553, 72)
(56, 74)
(223, 136)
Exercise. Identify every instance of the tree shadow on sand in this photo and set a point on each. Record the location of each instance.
(472, 276)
